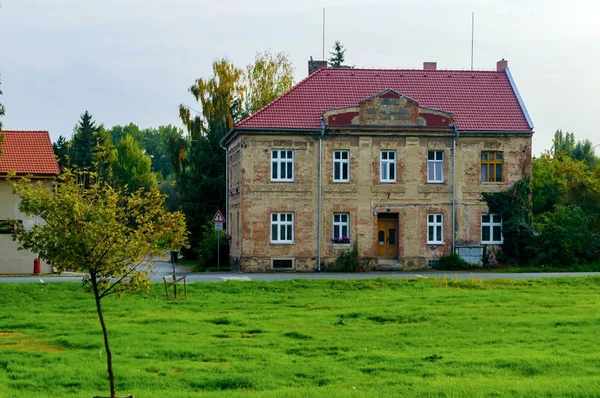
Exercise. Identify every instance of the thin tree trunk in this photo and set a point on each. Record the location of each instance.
(111, 376)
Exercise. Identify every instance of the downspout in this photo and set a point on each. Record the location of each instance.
(227, 220)
(320, 199)
(454, 188)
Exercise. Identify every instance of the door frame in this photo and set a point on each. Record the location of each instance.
(393, 217)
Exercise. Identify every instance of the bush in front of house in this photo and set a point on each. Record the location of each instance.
(350, 261)
(453, 262)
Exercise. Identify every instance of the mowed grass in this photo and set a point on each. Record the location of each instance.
(301, 338)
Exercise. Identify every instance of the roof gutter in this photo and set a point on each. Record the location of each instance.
(521, 103)
(227, 137)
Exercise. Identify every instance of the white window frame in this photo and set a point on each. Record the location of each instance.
(387, 164)
(343, 164)
(495, 221)
(278, 163)
(431, 166)
(281, 220)
(339, 225)
(435, 220)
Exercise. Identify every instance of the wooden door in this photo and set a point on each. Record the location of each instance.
(387, 237)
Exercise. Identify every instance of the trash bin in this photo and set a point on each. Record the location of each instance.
(174, 256)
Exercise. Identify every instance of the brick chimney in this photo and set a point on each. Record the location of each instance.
(501, 65)
(314, 66)
(430, 65)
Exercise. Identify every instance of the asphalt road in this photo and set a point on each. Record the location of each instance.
(164, 268)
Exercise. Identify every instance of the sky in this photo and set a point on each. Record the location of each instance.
(134, 60)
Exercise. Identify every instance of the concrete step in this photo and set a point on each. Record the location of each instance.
(388, 265)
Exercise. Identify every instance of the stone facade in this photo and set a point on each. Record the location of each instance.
(387, 122)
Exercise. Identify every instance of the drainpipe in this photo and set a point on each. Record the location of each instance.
(454, 188)
(320, 200)
(227, 220)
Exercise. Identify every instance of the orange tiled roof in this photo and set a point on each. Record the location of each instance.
(27, 152)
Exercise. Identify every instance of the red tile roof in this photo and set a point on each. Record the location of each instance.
(479, 100)
(27, 152)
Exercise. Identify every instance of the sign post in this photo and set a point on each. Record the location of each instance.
(218, 220)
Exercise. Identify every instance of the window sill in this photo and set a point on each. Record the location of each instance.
(387, 182)
(282, 181)
(282, 243)
(341, 245)
(436, 182)
(435, 243)
(340, 182)
(491, 243)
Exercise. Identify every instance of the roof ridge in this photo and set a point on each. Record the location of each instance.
(238, 124)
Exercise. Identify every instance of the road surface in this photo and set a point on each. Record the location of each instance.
(164, 268)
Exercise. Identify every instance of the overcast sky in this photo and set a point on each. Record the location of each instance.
(133, 60)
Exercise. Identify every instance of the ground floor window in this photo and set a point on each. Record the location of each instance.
(341, 228)
(491, 229)
(435, 228)
(282, 227)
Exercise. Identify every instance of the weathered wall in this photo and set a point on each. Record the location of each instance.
(12, 260)
(385, 121)
(411, 197)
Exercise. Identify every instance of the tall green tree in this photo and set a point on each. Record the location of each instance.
(84, 142)
(131, 167)
(61, 151)
(267, 78)
(577, 150)
(337, 55)
(155, 141)
(118, 132)
(199, 160)
(103, 231)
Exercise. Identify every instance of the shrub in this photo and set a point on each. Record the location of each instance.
(351, 262)
(565, 237)
(453, 262)
(207, 249)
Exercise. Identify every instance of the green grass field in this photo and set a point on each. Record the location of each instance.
(357, 338)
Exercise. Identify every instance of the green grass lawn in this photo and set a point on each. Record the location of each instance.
(300, 338)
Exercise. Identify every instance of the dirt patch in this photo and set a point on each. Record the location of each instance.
(16, 341)
(10, 334)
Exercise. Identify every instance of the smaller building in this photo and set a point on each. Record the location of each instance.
(28, 153)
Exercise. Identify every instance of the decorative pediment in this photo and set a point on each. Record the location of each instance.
(387, 108)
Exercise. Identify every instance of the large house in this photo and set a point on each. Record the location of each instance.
(27, 153)
(394, 160)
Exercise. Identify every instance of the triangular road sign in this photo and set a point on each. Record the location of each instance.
(218, 217)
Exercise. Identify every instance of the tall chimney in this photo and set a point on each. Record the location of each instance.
(430, 65)
(314, 66)
(501, 65)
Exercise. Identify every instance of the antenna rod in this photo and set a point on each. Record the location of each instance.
(472, 36)
(323, 34)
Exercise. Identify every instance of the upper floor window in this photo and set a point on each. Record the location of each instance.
(282, 165)
(435, 166)
(491, 229)
(387, 166)
(282, 227)
(435, 228)
(491, 166)
(341, 166)
(341, 228)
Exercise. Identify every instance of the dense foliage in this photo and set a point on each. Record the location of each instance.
(225, 98)
(555, 219)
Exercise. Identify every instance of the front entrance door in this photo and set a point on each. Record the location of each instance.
(387, 237)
